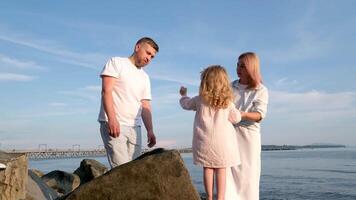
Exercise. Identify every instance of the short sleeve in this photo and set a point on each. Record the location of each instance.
(188, 103)
(261, 102)
(112, 68)
(147, 90)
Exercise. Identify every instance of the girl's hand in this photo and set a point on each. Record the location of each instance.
(183, 91)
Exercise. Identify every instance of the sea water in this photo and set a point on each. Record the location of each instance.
(323, 174)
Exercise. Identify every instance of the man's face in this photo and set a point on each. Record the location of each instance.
(144, 54)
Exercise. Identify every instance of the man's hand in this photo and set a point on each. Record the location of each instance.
(114, 128)
(151, 139)
(183, 91)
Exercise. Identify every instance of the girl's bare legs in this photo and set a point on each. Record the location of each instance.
(220, 182)
(209, 182)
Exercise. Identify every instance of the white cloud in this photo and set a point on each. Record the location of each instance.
(53, 140)
(175, 74)
(20, 64)
(312, 100)
(87, 60)
(307, 45)
(94, 88)
(167, 96)
(313, 106)
(285, 82)
(57, 104)
(182, 80)
(166, 99)
(91, 92)
(15, 77)
(313, 116)
(306, 42)
(166, 143)
(53, 114)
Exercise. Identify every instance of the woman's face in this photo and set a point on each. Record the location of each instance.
(242, 72)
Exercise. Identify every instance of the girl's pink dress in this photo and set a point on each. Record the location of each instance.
(214, 141)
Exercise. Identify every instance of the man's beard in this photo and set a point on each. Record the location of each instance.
(140, 64)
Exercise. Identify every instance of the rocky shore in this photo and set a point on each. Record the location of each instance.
(158, 174)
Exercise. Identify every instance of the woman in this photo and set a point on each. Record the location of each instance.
(251, 98)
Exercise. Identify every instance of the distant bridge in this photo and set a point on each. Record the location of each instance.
(56, 154)
(71, 153)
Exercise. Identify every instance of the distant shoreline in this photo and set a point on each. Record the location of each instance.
(295, 147)
(284, 147)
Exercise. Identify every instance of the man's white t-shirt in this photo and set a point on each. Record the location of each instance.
(132, 86)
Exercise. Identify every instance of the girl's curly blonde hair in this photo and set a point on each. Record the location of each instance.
(215, 89)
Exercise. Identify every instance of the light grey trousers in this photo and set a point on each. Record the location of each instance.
(124, 148)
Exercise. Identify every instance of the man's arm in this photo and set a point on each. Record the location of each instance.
(108, 83)
(147, 120)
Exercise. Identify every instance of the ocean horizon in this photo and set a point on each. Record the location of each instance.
(327, 173)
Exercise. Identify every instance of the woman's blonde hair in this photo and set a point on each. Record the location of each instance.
(252, 64)
(215, 89)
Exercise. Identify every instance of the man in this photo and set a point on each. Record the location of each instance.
(126, 95)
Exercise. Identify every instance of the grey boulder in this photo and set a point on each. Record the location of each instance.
(90, 169)
(62, 182)
(156, 175)
(36, 189)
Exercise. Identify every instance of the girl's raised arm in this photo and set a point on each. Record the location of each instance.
(188, 103)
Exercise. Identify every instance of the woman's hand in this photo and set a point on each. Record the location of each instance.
(243, 114)
(252, 116)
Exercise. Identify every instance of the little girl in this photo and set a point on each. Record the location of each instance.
(214, 142)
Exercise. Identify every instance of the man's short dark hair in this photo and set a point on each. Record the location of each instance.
(149, 41)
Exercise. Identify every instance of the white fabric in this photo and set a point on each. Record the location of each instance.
(132, 86)
(242, 182)
(124, 148)
(247, 100)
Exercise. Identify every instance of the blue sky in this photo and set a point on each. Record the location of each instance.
(51, 54)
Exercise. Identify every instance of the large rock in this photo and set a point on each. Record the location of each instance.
(36, 189)
(90, 169)
(14, 177)
(159, 176)
(62, 182)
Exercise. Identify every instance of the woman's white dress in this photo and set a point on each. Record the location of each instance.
(242, 182)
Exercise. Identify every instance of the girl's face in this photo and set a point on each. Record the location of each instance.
(242, 72)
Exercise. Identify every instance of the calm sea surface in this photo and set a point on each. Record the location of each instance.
(299, 174)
